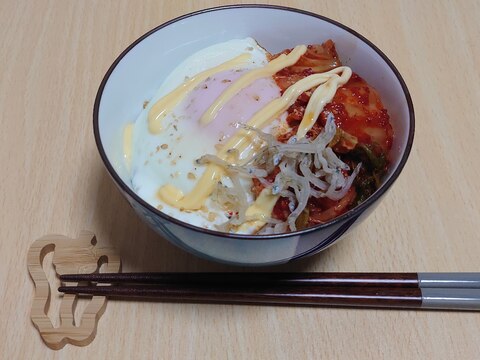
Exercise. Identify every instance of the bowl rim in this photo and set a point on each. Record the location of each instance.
(351, 214)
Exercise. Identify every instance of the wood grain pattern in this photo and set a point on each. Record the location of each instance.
(53, 55)
(81, 255)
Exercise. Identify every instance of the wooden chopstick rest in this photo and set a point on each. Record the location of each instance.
(79, 256)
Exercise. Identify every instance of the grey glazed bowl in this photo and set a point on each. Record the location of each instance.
(138, 71)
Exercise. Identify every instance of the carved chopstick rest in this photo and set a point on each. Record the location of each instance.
(70, 256)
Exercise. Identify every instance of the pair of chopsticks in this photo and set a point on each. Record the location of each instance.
(455, 291)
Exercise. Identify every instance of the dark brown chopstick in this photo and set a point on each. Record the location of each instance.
(234, 279)
(460, 291)
(278, 295)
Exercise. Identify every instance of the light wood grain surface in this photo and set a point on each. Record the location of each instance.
(53, 55)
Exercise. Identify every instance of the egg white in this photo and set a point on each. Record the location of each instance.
(169, 157)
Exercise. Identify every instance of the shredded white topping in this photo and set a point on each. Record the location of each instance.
(307, 168)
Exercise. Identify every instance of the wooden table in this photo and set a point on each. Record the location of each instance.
(53, 55)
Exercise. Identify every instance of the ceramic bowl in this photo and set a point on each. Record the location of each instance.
(139, 70)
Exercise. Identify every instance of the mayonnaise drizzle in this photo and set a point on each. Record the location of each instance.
(260, 210)
(322, 96)
(127, 144)
(167, 103)
(273, 67)
(240, 141)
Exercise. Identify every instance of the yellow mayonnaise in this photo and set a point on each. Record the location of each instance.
(272, 68)
(196, 198)
(260, 210)
(167, 103)
(322, 96)
(128, 144)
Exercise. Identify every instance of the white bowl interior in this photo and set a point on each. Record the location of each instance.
(140, 72)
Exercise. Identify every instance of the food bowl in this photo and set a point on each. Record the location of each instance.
(139, 70)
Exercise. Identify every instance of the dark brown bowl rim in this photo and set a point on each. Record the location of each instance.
(354, 213)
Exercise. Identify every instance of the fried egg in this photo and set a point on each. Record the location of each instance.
(169, 156)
